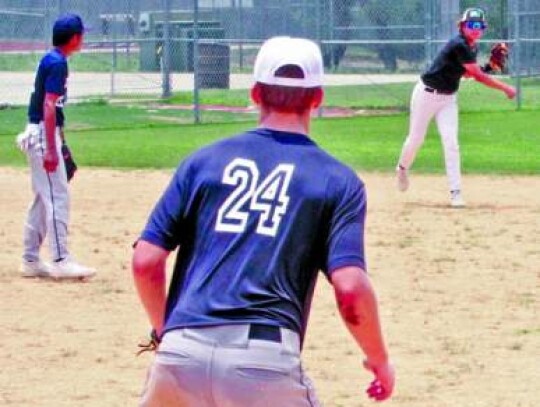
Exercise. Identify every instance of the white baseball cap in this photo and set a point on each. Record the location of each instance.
(281, 51)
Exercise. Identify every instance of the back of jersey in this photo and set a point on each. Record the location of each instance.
(256, 216)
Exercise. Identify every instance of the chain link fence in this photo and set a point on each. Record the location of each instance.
(202, 52)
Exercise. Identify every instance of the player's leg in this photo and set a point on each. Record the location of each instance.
(34, 230)
(447, 123)
(423, 107)
(34, 235)
(54, 193)
(35, 227)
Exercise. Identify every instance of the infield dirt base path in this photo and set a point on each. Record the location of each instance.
(458, 291)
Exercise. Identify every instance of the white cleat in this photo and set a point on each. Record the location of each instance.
(402, 178)
(38, 268)
(70, 269)
(456, 200)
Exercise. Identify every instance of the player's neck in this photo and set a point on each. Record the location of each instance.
(63, 50)
(286, 122)
(471, 41)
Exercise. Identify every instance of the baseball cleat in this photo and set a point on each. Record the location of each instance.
(69, 269)
(38, 268)
(456, 200)
(402, 178)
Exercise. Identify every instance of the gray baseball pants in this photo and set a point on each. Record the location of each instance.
(48, 214)
(224, 366)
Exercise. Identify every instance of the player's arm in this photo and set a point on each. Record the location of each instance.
(50, 158)
(357, 305)
(354, 294)
(473, 70)
(148, 265)
(159, 238)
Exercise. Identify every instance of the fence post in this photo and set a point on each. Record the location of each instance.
(47, 27)
(166, 53)
(428, 30)
(114, 61)
(241, 34)
(517, 54)
(196, 106)
(61, 8)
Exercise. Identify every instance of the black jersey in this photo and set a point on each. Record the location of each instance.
(447, 69)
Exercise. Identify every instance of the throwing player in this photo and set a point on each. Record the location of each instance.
(435, 95)
(43, 141)
(256, 216)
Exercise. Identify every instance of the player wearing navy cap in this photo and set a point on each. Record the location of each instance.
(255, 217)
(435, 96)
(43, 142)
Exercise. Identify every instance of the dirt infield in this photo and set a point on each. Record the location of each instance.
(458, 292)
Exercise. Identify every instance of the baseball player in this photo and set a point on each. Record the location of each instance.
(435, 95)
(256, 216)
(49, 159)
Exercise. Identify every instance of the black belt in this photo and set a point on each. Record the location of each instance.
(265, 333)
(440, 92)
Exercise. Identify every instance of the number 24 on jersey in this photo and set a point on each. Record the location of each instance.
(269, 198)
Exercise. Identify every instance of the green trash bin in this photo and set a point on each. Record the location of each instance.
(214, 66)
(181, 34)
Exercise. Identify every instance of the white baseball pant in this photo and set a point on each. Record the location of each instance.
(221, 366)
(424, 106)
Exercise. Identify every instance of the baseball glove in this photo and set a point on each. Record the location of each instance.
(151, 345)
(497, 59)
(69, 162)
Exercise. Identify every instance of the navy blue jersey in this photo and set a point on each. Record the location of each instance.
(51, 77)
(256, 216)
(446, 71)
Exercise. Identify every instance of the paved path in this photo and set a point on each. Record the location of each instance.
(15, 87)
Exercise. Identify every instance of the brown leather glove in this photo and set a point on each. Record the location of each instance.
(497, 59)
(69, 162)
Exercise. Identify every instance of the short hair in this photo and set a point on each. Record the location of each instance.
(287, 99)
(62, 37)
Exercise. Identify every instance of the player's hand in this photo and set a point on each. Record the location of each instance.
(382, 387)
(50, 160)
(510, 92)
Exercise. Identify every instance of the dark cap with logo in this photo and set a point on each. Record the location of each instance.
(474, 14)
(69, 24)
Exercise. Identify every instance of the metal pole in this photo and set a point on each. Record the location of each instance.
(241, 48)
(166, 53)
(331, 18)
(517, 54)
(428, 30)
(318, 34)
(114, 53)
(196, 106)
(47, 27)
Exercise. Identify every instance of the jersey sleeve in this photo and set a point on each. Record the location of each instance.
(464, 54)
(165, 225)
(345, 245)
(55, 81)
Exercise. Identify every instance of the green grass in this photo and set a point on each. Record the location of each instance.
(472, 96)
(83, 62)
(143, 137)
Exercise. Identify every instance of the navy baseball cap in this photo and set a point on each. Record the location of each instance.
(69, 24)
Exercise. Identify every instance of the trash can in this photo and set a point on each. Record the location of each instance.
(181, 51)
(214, 66)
